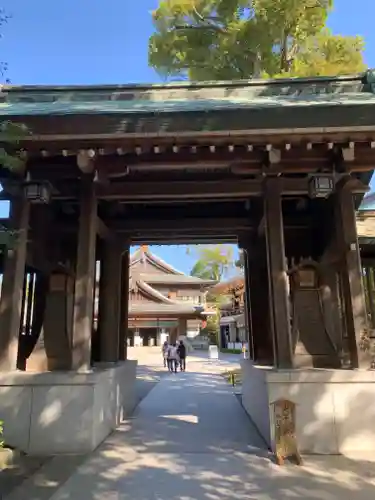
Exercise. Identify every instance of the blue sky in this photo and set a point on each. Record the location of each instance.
(93, 42)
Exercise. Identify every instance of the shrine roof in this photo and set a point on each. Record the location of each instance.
(143, 254)
(187, 97)
(178, 279)
(368, 203)
(154, 294)
(142, 308)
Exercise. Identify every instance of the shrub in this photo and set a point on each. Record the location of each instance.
(231, 351)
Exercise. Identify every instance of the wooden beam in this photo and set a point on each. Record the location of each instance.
(185, 240)
(193, 190)
(191, 225)
(183, 228)
(102, 230)
(288, 161)
(140, 191)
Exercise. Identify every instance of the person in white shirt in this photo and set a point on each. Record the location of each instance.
(172, 358)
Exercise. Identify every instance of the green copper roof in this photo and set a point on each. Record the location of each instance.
(182, 97)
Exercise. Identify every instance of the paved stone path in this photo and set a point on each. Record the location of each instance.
(191, 440)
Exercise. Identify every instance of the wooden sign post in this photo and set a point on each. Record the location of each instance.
(284, 412)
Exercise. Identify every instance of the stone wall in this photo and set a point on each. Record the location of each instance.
(65, 412)
(334, 414)
(255, 397)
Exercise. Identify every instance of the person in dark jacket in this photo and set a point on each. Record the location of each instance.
(182, 355)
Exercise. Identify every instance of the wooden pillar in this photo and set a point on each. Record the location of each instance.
(29, 301)
(124, 305)
(247, 312)
(109, 301)
(57, 326)
(85, 278)
(182, 328)
(351, 272)
(277, 274)
(370, 289)
(260, 303)
(12, 287)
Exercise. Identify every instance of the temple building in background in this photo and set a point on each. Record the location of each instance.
(233, 331)
(165, 304)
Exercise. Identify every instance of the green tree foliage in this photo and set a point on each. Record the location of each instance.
(4, 17)
(214, 262)
(233, 39)
(10, 133)
(10, 136)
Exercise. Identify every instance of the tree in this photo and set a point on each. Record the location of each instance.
(10, 157)
(4, 17)
(214, 262)
(232, 39)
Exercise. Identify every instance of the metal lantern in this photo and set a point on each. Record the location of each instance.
(38, 192)
(321, 186)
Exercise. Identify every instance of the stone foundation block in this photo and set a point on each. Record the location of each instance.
(65, 412)
(335, 413)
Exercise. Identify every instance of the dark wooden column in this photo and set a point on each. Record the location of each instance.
(109, 300)
(277, 274)
(12, 287)
(85, 277)
(351, 272)
(260, 303)
(370, 292)
(124, 305)
(248, 303)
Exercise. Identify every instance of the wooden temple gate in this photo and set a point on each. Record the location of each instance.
(281, 181)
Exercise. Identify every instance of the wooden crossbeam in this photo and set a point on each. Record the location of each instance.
(193, 190)
(190, 225)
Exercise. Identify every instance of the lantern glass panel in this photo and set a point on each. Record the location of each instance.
(321, 186)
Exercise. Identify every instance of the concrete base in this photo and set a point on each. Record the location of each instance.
(335, 411)
(65, 412)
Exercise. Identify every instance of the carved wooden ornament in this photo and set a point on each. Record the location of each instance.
(285, 431)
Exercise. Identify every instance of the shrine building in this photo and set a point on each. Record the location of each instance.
(233, 329)
(164, 303)
(279, 167)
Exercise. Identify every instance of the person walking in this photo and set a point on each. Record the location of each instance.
(164, 351)
(181, 350)
(172, 358)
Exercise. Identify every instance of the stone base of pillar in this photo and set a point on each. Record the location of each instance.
(333, 415)
(65, 412)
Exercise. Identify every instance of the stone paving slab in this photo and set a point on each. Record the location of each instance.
(190, 439)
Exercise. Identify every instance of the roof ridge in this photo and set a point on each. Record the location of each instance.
(161, 263)
(155, 259)
(183, 85)
(149, 289)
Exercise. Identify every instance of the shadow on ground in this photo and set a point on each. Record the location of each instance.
(190, 439)
(173, 455)
(37, 478)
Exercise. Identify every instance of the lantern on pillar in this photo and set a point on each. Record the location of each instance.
(321, 185)
(38, 191)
